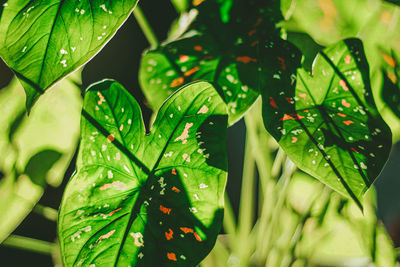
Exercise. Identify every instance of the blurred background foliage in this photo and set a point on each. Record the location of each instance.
(307, 225)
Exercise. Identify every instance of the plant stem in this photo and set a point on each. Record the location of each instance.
(47, 212)
(246, 208)
(283, 187)
(179, 5)
(229, 217)
(145, 26)
(29, 244)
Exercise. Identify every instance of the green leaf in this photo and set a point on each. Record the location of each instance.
(39, 165)
(152, 199)
(329, 126)
(239, 56)
(53, 124)
(44, 41)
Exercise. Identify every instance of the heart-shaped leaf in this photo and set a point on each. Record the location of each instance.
(239, 54)
(43, 41)
(141, 199)
(329, 126)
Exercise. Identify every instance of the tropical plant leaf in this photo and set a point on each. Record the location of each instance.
(390, 86)
(239, 55)
(396, 2)
(53, 124)
(329, 126)
(141, 199)
(44, 41)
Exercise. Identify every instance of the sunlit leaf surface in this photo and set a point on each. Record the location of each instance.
(329, 126)
(234, 45)
(43, 41)
(40, 150)
(141, 199)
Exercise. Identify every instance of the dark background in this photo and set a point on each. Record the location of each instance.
(119, 60)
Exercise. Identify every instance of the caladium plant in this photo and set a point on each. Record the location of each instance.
(146, 199)
(235, 47)
(329, 125)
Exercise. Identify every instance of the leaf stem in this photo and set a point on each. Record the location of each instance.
(179, 5)
(29, 244)
(47, 212)
(145, 26)
(229, 218)
(246, 208)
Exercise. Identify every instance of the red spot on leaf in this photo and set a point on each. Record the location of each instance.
(246, 59)
(348, 122)
(354, 150)
(289, 100)
(171, 256)
(165, 210)
(173, 171)
(169, 234)
(198, 48)
(282, 63)
(272, 102)
(176, 82)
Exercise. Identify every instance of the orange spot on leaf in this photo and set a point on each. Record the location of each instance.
(198, 238)
(303, 96)
(342, 115)
(187, 230)
(106, 236)
(165, 210)
(246, 59)
(198, 48)
(183, 58)
(392, 77)
(101, 98)
(347, 59)
(342, 83)
(252, 32)
(197, 2)
(110, 138)
(191, 71)
(114, 211)
(294, 139)
(348, 122)
(345, 103)
(291, 117)
(389, 60)
(254, 43)
(175, 189)
(169, 234)
(176, 82)
(171, 256)
(173, 171)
